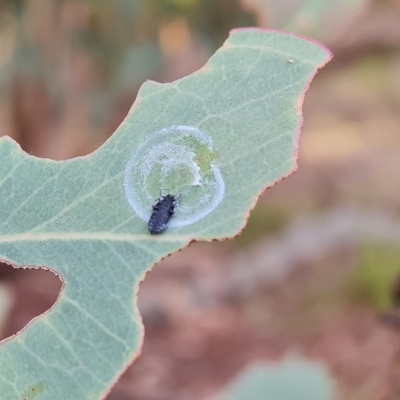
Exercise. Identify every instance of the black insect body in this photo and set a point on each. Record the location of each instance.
(162, 213)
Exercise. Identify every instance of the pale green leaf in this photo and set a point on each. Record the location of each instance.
(320, 19)
(218, 138)
(292, 379)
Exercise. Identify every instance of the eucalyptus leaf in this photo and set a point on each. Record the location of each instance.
(217, 138)
(291, 379)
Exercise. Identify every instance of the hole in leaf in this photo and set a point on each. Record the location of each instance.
(29, 293)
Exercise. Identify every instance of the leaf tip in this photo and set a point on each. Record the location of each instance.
(263, 31)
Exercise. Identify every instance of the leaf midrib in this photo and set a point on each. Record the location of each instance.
(93, 236)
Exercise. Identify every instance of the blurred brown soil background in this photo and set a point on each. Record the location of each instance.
(314, 271)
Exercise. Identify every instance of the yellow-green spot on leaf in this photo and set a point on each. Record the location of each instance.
(34, 391)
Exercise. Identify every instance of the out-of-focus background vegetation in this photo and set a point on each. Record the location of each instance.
(316, 271)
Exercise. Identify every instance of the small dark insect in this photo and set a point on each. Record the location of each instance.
(163, 210)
